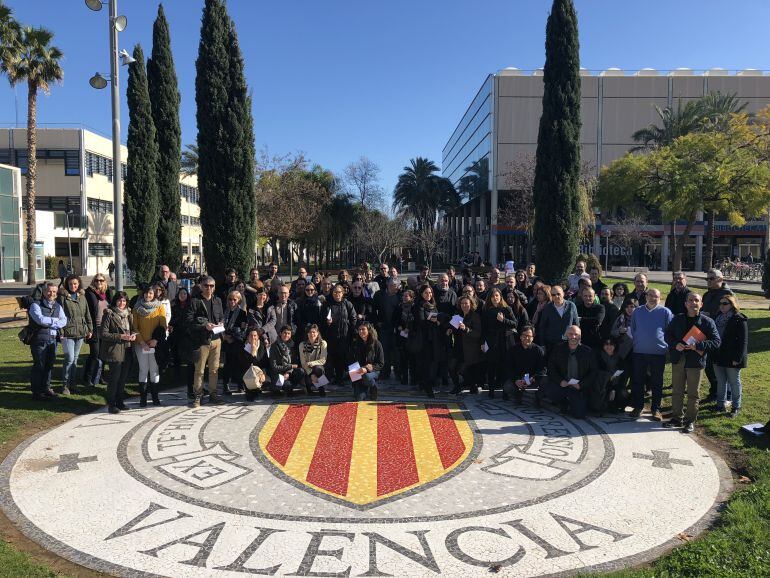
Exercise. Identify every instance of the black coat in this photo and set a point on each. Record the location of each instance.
(494, 331)
(557, 365)
(309, 311)
(734, 346)
(198, 317)
(446, 301)
(282, 356)
(343, 324)
(591, 319)
(529, 360)
(93, 303)
(611, 313)
(467, 342)
(432, 335)
(675, 300)
(181, 338)
(359, 352)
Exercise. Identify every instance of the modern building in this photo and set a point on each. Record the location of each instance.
(500, 127)
(74, 196)
(10, 224)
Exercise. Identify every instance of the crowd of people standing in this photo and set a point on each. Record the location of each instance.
(585, 346)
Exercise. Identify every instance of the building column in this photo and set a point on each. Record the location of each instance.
(484, 218)
(493, 258)
(474, 228)
(664, 249)
(698, 266)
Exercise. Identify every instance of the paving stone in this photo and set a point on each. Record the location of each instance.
(405, 486)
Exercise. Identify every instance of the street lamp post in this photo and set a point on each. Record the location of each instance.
(116, 24)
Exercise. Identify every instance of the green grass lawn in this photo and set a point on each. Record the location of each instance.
(738, 545)
(664, 288)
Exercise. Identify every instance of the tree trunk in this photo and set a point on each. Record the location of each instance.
(678, 253)
(708, 259)
(31, 176)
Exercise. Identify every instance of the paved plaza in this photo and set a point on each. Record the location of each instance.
(405, 486)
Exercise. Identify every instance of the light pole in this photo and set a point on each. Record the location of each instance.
(116, 24)
(607, 252)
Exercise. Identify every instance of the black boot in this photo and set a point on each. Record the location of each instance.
(154, 391)
(143, 394)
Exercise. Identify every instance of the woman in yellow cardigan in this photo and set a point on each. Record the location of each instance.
(150, 323)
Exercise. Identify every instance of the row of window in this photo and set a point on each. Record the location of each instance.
(100, 249)
(99, 206)
(189, 193)
(195, 221)
(20, 158)
(101, 165)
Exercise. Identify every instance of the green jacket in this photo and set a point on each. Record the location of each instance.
(79, 322)
(112, 349)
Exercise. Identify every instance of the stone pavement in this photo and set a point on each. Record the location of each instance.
(405, 486)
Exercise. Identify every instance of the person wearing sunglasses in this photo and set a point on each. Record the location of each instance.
(732, 354)
(309, 308)
(98, 295)
(205, 315)
(717, 288)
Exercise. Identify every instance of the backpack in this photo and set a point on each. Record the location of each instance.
(29, 331)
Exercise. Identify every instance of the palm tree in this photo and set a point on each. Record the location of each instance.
(38, 63)
(9, 37)
(675, 123)
(421, 195)
(189, 162)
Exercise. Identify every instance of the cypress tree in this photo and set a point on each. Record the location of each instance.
(140, 218)
(164, 98)
(225, 146)
(557, 170)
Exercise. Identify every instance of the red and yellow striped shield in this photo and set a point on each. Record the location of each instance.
(361, 453)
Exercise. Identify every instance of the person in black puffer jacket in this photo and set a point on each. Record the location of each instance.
(309, 309)
(98, 296)
(366, 350)
(339, 322)
(430, 336)
(404, 323)
(284, 364)
(496, 319)
(732, 354)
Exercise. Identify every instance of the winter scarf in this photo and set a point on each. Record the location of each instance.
(146, 308)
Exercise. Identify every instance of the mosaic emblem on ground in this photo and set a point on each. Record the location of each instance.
(399, 487)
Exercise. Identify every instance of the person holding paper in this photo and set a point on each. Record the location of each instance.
(312, 358)
(367, 352)
(526, 368)
(572, 374)
(387, 309)
(429, 338)
(284, 364)
(148, 314)
(466, 360)
(404, 322)
(690, 337)
(204, 315)
(252, 353)
(732, 354)
(234, 322)
(612, 379)
(496, 319)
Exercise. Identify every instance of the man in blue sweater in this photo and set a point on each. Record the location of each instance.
(648, 332)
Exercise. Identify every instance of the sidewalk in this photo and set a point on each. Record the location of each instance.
(694, 279)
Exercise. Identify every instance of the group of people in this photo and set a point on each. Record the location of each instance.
(578, 344)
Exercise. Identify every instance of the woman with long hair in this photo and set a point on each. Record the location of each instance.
(312, 358)
(366, 350)
(523, 284)
(234, 321)
(619, 294)
(496, 319)
(180, 339)
(404, 323)
(513, 299)
(116, 335)
(150, 323)
(98, 296)
(253, 353)
(257, 316)
(79, 328)
(466, 352)
(309, 308)
(339, 323)
(427, 333)
(732, 354)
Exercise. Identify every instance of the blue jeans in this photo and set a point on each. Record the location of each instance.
(642, 362)
(71, 348)
(728, 376)
(361, 387)
(43, 359)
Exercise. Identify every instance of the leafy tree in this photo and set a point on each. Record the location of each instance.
(164, 99)
(379, 235)
(27, 56)
(721, 171)
(140, 219)
(557, 171)
(421, 194)
(226, 146)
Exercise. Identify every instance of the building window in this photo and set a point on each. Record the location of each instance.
(196, 250)
(195, 221)
(18, 157)
(62, 204)
(189, 193)
(100, 249)
(101, 165)
(99, 206)
(185, 220)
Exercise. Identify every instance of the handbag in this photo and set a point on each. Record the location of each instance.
(27, 335)
(253, 378)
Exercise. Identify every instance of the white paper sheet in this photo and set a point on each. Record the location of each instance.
(322, 381)
(691, 340)
(484, 347)
(329, 315)
(573, 382)
(618, 373)
(218, 329)
(527, 379)
(455, 321)
(148, 351)
(404, 333)
(280, 380)
(432, 315)
(353, 371)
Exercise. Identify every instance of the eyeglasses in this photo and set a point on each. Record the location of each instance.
(211, 286)
(233, 300)
(725, 303)
(99, 280)
(556, 294)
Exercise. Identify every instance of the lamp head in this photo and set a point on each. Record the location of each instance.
(97, 81)
(120, 23)
(126, 58)
(94, 5)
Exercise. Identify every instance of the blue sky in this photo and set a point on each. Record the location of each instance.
(389, 79)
